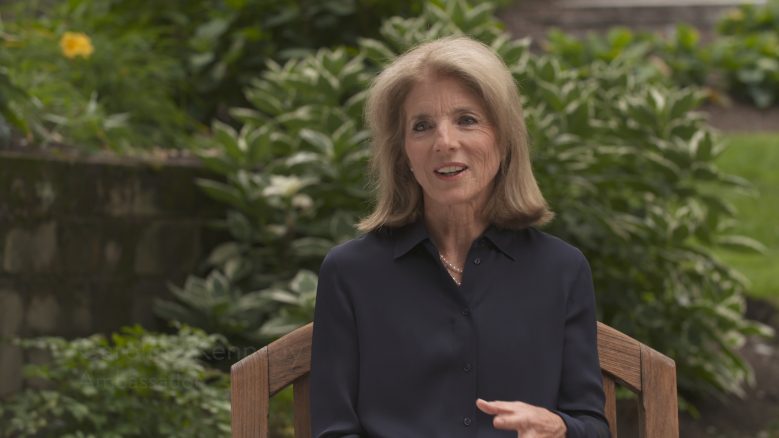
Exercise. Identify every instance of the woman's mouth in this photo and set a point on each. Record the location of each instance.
(452, 170)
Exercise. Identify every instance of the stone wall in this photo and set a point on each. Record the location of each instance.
(87, 244)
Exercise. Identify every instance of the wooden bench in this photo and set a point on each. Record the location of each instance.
(623, 361)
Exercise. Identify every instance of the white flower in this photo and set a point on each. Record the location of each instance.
(302, 201)
(285, 186)
(277, 230)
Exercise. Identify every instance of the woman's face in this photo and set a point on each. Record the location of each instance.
(450, 143)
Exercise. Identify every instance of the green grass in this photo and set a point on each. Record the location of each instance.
(756, 158)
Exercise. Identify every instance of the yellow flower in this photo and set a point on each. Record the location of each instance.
(76, 44)
(736, 15)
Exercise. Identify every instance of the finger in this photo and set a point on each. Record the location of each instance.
(514, 421)
(493, 407)
(497, 406)
(510, 405)
(486, 407)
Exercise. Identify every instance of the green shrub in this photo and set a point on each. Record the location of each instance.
(750, 18)
(135, 384)
(158, 69)
(618, 42)
(629, 168)
(687, 58)
(119, 96)
(747, 53)
(750, 64)
(679, 57)
(622, 157)
(294, 180)
(743, 61)
(10, 116)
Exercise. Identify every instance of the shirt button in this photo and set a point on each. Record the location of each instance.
(466, 312)
(467, 368)
(477, 261)
(467, 421)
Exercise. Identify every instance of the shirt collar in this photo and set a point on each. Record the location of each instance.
(411, 235)
(502, 239)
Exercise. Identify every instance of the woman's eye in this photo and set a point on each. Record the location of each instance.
(419, 126)
(468, 120)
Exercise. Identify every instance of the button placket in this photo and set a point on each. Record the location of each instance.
(468, 338)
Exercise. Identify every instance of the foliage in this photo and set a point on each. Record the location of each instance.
(750, 18)
(120, 95)
(750, 64)
(629, 168)
(679, 56)
(622, 156)
(293, 177)
(688, 60)
(744, 60)
(747, 52)
(618, 42)
(160, 68)
(224, 44)
(135, 384)
(9, 114)
(216, 306)
(298, 300)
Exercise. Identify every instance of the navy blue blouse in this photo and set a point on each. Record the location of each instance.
(400, 351)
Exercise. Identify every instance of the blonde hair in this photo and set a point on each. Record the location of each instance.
(517, 201)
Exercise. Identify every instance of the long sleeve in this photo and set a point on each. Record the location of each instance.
(581, 398)
(334, 359)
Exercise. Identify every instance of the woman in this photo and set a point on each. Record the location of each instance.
(452, 316)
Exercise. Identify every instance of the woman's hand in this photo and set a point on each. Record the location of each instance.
(529, 421)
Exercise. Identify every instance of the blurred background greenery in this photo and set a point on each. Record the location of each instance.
(755, 157)
(678, 221)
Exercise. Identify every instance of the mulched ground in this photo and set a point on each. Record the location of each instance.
(757, 414)
(738, 116)
(754, 416)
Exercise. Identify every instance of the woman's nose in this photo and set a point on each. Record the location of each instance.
(445, 138)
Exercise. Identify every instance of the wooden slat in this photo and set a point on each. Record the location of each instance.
(609, 389)
(300, 392)
(290, 358)
(620, 356)
(249, 396)
(658, 413)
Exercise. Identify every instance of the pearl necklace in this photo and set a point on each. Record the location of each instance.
(449, 265)
(451, 269)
